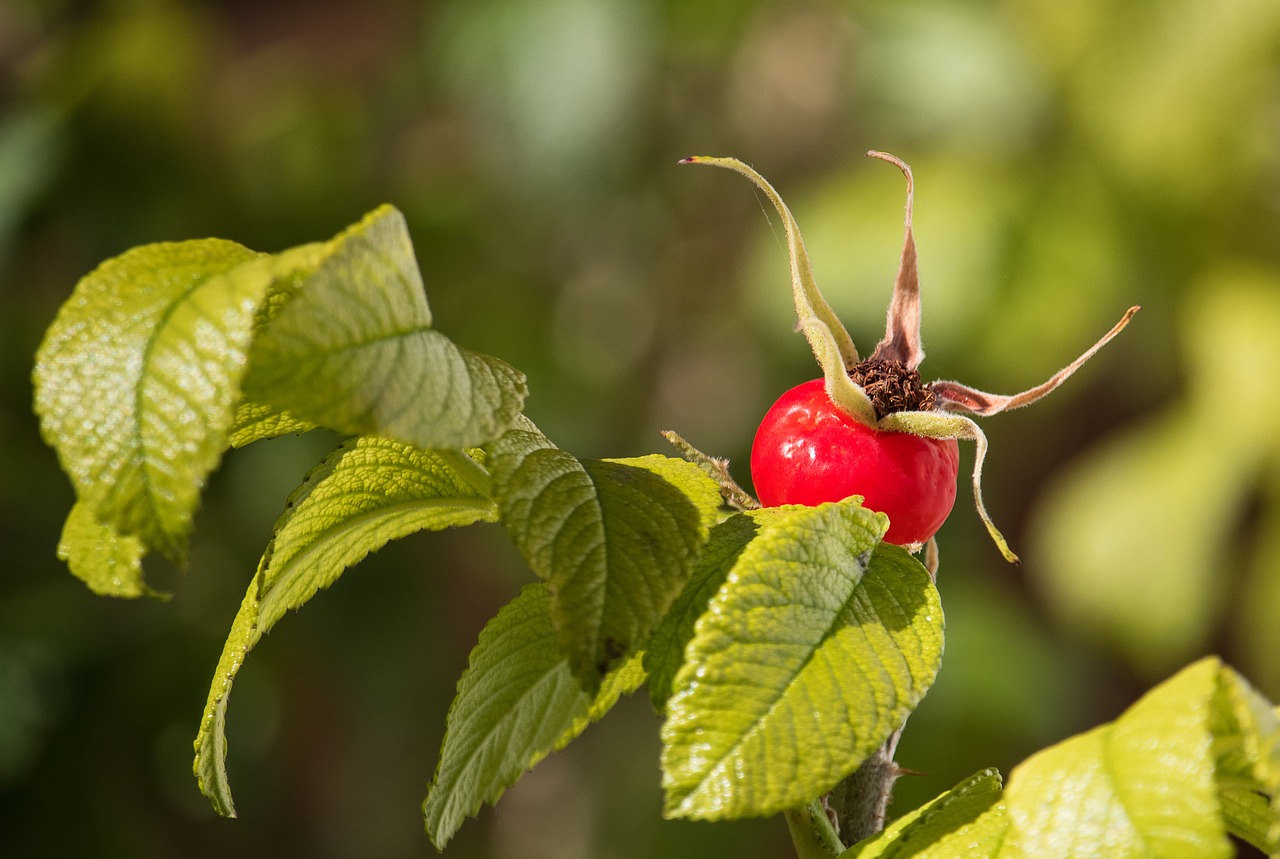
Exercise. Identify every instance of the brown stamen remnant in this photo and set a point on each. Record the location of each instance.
(892, 386)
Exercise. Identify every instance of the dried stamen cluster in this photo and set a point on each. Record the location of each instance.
(892, 386)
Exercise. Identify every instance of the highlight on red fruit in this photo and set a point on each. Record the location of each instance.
(807, 451)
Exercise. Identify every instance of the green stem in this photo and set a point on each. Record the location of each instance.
(812, 832)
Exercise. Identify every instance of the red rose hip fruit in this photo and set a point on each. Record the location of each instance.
(808, 451)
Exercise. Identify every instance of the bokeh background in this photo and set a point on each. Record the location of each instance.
(1071, 159)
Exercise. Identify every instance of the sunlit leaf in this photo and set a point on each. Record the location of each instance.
(258, 421)
(1196, 757)
(951, 813)
(354, 350)
(1140, 786)
(664, 654)
(1127, 794)
(108, 562)
(254, 421)
(517, 702)
(136, 379)
(365, 494)
(812, 652)
(616, 540)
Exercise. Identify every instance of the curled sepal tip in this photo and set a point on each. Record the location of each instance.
(955, 397)
(809, 302)
(941, 425)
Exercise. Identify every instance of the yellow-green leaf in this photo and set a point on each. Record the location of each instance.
(818, 644)
(616, 540)
(365, 494)
(1196, 758)
(358, 331)
(517, 702)
(916, 832)
(109, 562)
(136, 379)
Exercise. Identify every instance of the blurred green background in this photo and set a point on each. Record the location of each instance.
(1071, 159)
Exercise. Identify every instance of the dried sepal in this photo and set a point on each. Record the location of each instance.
(902, 324)
(717, 469)
(804, 288)
(932, 558)
(942, 425)
(955, 397)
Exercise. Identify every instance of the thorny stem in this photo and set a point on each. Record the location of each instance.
(861, 801)
(857, 809)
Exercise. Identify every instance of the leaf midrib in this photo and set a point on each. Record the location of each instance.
(487, 508)
(754, 726)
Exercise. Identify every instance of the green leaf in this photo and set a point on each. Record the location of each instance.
(616, 540)
(164, 355)
(1249, 815)
(1246, 731)
(109, 562)
(665, 652)
(812, 652)
(517, 702)
(1107, 793)
(359, 332)
(255, 421)
(136, 379)
(1196, 757)
(915, 832)
(985, 837)
(210, 765)
(366, 493)
(258, 421)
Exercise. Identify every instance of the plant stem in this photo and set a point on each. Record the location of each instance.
(812, 832)
(861, 801)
